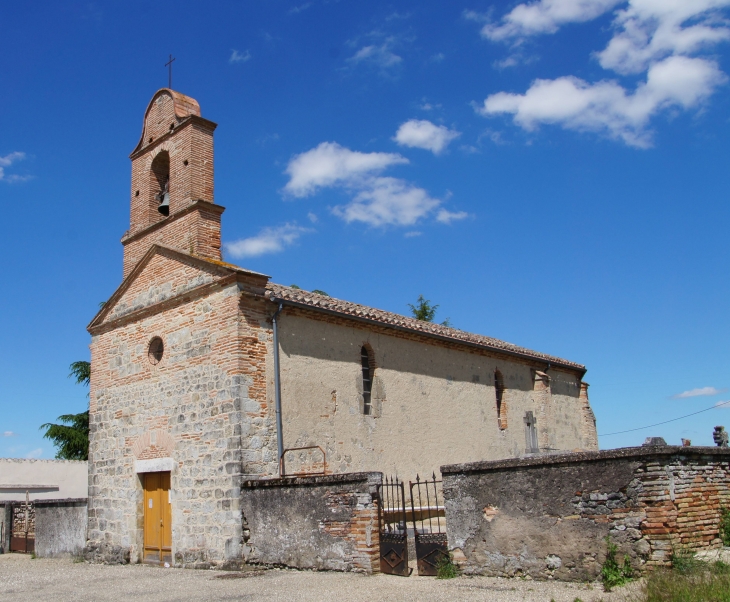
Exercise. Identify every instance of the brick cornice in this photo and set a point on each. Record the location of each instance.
(197, 205)
(142, 149)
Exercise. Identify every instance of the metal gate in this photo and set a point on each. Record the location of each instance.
(22, 538)
(393, 528)
(429, 525)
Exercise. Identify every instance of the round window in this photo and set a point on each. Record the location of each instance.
(156, 350)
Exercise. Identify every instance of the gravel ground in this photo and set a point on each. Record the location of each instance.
(62, 580)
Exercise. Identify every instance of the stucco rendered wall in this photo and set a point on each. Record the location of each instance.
(321, 523)
(42, 479)
(193, 407)
(60, 528)
(432, 403)
(548, 517)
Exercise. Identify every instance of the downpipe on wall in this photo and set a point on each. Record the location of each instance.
(277, 385)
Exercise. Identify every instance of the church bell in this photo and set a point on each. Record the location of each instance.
(164, 206)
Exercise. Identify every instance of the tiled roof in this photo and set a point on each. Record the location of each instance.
(362, 312)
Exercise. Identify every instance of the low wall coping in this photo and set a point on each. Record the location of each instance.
(372, 478)
(589, 456)
(58, 502)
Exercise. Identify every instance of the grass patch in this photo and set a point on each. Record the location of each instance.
(696, 582)
(445, 567)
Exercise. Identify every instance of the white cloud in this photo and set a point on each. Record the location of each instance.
(606, 107)
(8, 434)
(380, 55)
(36, 453)
(269, 240)
(239, 57)
(723, 404)
(299, 9)
(388, 201)
(446, 217)
(312, 217)
(438, 57)
(703, 391)
(7, 161)
(330, 164)
(413, 234)
(376, 200)
(544, 16)
(421, 133)
(649, 30)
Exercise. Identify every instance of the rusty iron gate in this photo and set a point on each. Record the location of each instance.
(22, 538)
(393, 528)
(429, 525)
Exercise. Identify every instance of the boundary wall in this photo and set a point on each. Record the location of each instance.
(548, 516)
(316, 522)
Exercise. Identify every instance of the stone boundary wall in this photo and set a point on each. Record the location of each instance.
(319, 522)
(548, 516)
(60, 526)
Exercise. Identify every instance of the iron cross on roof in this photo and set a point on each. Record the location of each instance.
(169, 78)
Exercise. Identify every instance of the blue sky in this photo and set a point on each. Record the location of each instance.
(554, 174)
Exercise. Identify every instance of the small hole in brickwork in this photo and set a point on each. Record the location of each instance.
(172, 126)
(136, 193)
(151, 138)
(156, 350)
(185, 163)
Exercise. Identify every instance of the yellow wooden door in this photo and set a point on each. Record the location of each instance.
(157, 518)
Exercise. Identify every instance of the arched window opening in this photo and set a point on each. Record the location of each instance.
(367, 380)
(499, 394)
(160, 184)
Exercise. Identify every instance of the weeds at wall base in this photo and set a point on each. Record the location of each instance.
(613, 574)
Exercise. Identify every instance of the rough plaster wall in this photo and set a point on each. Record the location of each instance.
(68, 478)
(321, 523)
(195, 395)
(432, 404)
(60, 529)
(525, 521)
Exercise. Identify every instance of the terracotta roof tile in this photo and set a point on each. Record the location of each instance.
(346, 308)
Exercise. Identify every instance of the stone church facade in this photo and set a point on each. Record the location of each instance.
(184, 378)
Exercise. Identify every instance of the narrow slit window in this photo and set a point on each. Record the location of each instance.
(367, 381)
(499, 394)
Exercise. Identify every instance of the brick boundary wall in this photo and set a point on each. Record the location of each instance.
(320, 522)
(548, 516)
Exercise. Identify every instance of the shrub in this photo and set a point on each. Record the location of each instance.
(613, 574)
(445, 567)
(725, 525)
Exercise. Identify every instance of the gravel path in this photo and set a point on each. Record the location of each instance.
(62, 580)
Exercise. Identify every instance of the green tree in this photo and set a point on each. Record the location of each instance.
(72, 436)
(424, 310)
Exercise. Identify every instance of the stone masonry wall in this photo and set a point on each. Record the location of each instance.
(195, 395)
(322, 523)
(548, 516)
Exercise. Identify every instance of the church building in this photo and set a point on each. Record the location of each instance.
(205, 374)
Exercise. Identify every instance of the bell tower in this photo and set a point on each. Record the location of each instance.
(172, 182)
